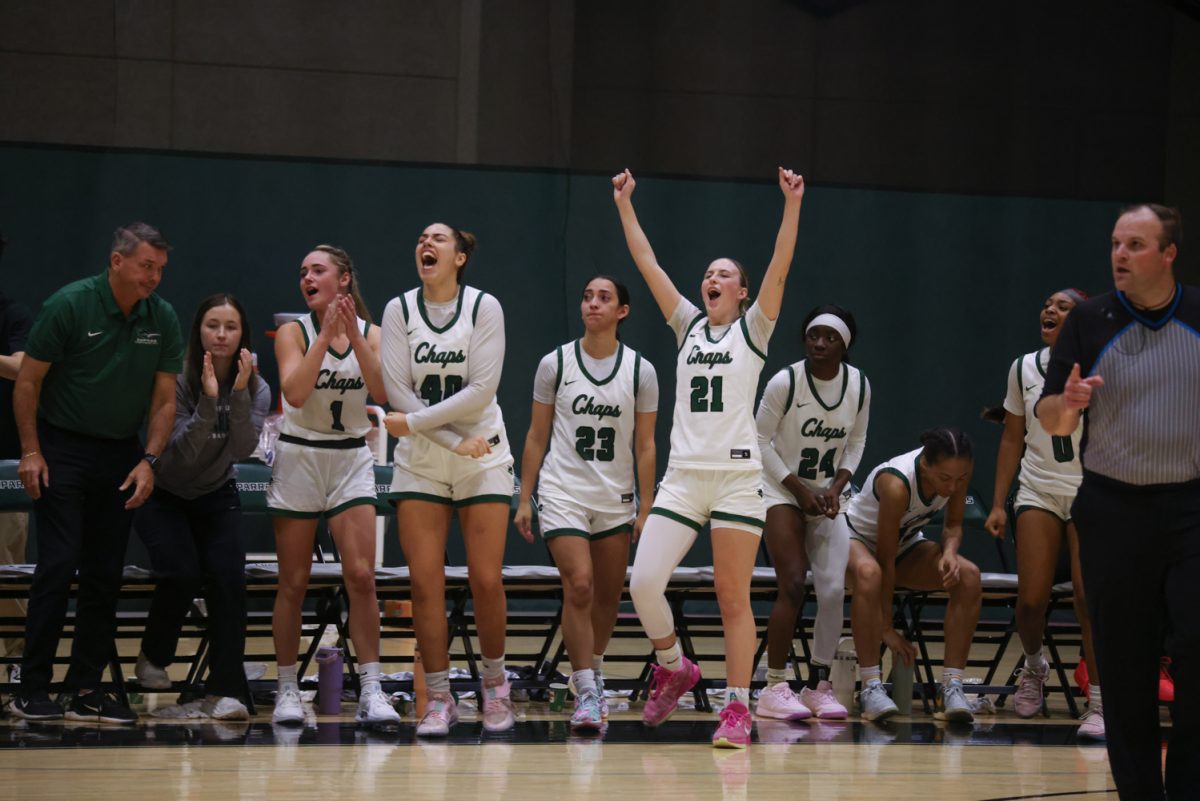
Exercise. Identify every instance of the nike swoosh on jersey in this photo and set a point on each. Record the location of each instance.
(798, 405)
(1031, 386)
(569, 383)
(95, 333)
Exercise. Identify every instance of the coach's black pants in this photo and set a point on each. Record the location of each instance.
(82, 526)
(1140, 550)
(196, 543)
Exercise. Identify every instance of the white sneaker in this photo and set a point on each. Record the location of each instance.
(14, 673)
(288, 708)
(374, 707)
(150, 675)
(1091, 724)
(224, 708)
(952, 704)
(780, 703)
(876, 704)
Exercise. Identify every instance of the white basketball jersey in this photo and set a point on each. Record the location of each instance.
(591, 448)
(863, 511)
(1050, 464)
(441, 362)
(814, 429)
(337, 406)
(716, 379)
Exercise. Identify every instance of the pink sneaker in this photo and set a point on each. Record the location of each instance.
(1091, 725)
(822, 702)
(666, 688)
(498, 711)
(440, 714)
(780, 703)
(734, 731)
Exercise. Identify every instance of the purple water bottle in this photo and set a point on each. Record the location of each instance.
(329, 680)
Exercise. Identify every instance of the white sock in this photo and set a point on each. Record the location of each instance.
(493, 669)
(741, 694)
(598, 668)
(1036, 660)
(670, 658)
(584, 681)
(776, 675)
(368, 677)
(287, 678)
(952, 675)
(438, 682)
(870, 675)
(1094, 700)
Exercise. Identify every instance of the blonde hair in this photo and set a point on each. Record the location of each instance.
(341, 260)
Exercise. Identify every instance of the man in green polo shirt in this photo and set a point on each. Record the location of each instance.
(103, 352)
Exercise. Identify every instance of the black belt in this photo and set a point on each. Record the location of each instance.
(330, 444)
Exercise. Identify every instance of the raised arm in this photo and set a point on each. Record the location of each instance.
(770, 297)
(661, 286)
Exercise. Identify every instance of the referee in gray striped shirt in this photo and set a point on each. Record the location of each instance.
(1128, 363)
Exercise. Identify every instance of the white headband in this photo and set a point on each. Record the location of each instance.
(831, 321)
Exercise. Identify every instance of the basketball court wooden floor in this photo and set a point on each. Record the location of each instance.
(1001, 758)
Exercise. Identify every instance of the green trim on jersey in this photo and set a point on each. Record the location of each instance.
(396, 497)
(862, 389)
(565, 532)
(1037, 362)
(896, 473)
(791, 396)
(304, 333)
(678, 518)
(583, 368)
(637, 377)
(917, 473)
(317, 327)
(753, 521)
(404, 307)
(558, 370)
(295, 515)
(341, 507)
(477, 499)
(475, 308)
(813, 388)
(708, 333)
(749, 341)
(687, 332)
(462, 291)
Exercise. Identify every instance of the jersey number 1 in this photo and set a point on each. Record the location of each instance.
(702, 400)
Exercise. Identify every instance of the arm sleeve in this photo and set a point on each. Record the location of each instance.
(487, 361)
(771, 410)
(759, 326)
(1014, 402)
(856, 443)
(647, 398)
(395, 360)
(544, 380)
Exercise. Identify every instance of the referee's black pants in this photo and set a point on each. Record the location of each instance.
(1140, 551)
(82, 526)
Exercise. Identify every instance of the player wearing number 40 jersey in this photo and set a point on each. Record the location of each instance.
(328, 364)
(1050, 477)
(714, 474)
(443, 347)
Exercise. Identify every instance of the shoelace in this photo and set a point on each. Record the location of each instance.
(659, 678)
(733, 717)
(1027, 684)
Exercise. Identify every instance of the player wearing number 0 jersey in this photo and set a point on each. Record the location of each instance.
(1049, 478)
(443, 350)
(812, 423)
(714, 474)
(595, 402)
(328, 364)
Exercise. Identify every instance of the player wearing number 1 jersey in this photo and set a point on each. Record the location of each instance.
(328, 364)
(1050, 476)
(714, 474)
(812, 427)
(443, 348)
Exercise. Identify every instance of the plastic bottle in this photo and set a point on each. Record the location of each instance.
(329, 680)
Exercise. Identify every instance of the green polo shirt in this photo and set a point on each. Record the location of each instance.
(102, 363)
